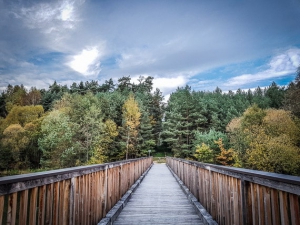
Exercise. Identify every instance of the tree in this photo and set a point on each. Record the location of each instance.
(226, 157)
(102, 149)
(275, 95)
(14, 139)
(291, 99)
(268, 138)
(204, 154)
(33, 97)
(146, 138)
(131, 121)
(15, 95)
(58, 142)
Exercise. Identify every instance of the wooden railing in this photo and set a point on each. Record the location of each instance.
(79, 195)
(235, 196)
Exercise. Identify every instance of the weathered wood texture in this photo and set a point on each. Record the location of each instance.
(158, 200)
(79, 195)
(235, 196)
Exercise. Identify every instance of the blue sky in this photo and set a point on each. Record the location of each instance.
(230, 44)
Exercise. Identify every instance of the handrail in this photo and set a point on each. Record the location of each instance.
(56, 174)
(241, 196)
(78, 195)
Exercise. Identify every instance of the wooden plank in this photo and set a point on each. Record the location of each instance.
(12, 208)
(109, 188)
(97, 198)
(77, 201)
(23, 208)
(93, 195)
(267, 206)
(42, 206)
(158, 200)
(255, 216)
(228, 201)
(33, 205)
(283, 207)
(55, 213)
(87, 199)
(295, 209)
(49, 204)
(261, 211)
(82, 199)
(66, 199)
(61, 202)
(1, 208)
(248, 192)
(72, 202)
(275, 207)
(220, 202)
(102, 191)
(236, 201)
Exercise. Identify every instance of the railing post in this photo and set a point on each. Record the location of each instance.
(246, 205)
(72, 202)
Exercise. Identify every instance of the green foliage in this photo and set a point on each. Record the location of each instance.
(204, 154)
(291, 99)
(95, 123)
(210, 138)
(58, 142)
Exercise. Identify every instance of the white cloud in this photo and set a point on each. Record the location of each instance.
(87, 62)
(280, 65)
(169, 84)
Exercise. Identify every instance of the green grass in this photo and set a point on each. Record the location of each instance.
(159, 159)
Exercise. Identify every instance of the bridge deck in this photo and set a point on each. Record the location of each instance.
(158, 200)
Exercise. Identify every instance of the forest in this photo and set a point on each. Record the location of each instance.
(90, 123)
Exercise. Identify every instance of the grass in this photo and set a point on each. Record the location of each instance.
(160, 157)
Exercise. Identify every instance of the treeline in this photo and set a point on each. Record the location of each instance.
(257, 129)
(90, 123)
(84, 124)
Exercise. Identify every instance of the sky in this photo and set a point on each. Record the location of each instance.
(201, 43)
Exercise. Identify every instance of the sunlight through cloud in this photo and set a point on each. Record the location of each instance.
(86, 62)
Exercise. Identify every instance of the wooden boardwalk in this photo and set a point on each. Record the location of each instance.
(158, 200)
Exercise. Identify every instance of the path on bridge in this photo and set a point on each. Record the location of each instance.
(158, 200)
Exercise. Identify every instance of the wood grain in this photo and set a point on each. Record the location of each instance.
(23, 208)
(158, 200)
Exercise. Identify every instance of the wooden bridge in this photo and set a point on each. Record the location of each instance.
(138, 192)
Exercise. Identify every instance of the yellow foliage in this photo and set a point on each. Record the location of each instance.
(23, 114)
(131, 122)
(270, 139)
(204, 154)
(226, 157)
(14, 137)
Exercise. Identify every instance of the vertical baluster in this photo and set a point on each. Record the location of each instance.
(33, 205)
(42, 199)
(23, 207)
(49, 208)
(12, 208)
